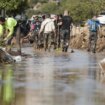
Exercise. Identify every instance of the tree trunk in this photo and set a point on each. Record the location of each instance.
(3, 13)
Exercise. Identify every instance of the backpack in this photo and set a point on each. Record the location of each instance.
(93, 26)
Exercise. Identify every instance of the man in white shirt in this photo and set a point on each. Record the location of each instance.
(48, 29)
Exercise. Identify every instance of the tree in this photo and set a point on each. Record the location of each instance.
(80, 10)
(49, 8)
(83, 9)
(11, 5)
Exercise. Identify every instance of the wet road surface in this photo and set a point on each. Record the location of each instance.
(53, 79)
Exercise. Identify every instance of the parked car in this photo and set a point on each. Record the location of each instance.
(101, 18)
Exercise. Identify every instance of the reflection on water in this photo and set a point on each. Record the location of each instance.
(92, 67)
(87, 91)
(40, 83)
(53, 79)
(6, 86)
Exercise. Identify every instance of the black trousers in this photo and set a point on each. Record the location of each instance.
(92, 41)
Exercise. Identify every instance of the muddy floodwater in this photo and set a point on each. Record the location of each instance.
(53, 78)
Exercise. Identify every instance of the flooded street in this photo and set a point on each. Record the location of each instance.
(53, 79)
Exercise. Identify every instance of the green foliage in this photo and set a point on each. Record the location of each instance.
(83, 9)
(13, 5)
(41, 1)
(49, 8)
(80, 10)
(29, 13)
(36, 1)
(10, 4)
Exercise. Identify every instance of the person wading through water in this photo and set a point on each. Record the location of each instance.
(48, 29)
(10, 24)
(94, 26)
(67, 22)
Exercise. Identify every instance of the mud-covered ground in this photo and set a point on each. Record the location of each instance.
(53, 78)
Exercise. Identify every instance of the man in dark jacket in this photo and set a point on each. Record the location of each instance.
(66, 27)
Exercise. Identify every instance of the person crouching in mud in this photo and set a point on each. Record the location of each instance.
(10, 24)
(8, 30)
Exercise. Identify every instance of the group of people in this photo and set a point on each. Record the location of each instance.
(54, 31)
(46, 31)
(57, 30)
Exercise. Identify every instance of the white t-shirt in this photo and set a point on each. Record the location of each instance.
(48, 25)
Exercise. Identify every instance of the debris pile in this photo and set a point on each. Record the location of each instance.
(80, 38)
(5, 57)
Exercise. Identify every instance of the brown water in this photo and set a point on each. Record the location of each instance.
(53, 79)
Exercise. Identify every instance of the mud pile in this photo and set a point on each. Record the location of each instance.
(80, 38)
(5, 57)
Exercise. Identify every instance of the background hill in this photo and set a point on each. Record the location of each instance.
(79, 9)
